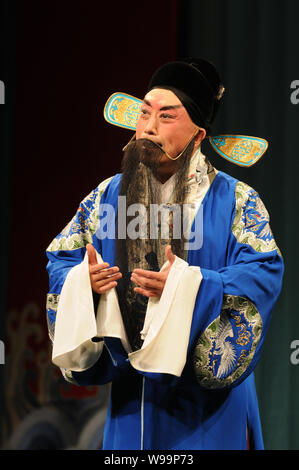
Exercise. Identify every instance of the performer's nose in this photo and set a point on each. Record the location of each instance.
(151, 126)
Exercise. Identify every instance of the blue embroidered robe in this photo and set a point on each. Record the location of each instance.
(213, 405)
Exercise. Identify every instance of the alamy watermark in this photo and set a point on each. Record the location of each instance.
(160, 221)
(294, 357)
(295, 94)
(2, 92)
(2, 353)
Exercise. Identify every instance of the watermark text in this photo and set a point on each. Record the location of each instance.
(294, 357)
(2, 92)
(294, 97)
(159, 221)
(2, 353)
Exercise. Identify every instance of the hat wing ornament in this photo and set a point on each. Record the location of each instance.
(242, 150)
(123, 110)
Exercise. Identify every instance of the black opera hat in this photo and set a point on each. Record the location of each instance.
(196, 83)
(198, 86)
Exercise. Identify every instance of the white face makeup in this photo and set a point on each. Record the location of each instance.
(165, 121)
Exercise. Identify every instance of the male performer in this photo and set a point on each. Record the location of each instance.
(172, 309)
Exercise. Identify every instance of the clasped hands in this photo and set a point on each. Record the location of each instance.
(104, 278)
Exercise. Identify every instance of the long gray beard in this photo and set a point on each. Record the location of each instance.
(140, 186)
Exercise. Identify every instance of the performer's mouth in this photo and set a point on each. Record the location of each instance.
(158, 144)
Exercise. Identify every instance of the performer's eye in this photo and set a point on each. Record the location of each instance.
(144, 112)
(167, 116)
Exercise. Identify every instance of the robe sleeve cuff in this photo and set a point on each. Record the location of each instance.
(78, 339)
(168, 321)
(166, 329)
(75, 326)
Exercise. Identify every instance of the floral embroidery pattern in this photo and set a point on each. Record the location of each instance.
(251, 222)
(227, 346)
(84, 224)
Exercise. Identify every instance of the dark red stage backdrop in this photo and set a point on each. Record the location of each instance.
(71, 56)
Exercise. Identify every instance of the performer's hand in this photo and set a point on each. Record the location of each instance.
(102, 277)
(151, 283)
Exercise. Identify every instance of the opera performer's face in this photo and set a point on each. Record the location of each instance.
(165, 121)
(164, 131)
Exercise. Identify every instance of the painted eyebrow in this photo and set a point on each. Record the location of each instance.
(164, 108)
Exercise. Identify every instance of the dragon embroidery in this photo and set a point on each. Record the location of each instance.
(227, 346)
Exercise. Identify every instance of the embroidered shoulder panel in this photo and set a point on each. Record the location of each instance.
(251, 223)
(226, 348)
(84, 224)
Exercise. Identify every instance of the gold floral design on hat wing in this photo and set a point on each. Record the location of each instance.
(123, 110)
(242, 150)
